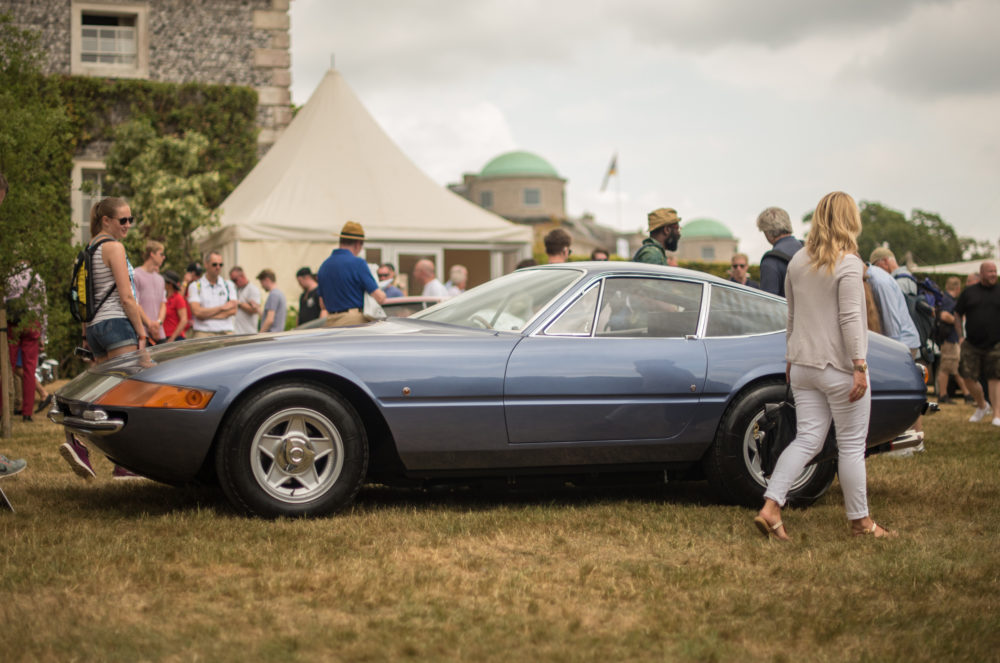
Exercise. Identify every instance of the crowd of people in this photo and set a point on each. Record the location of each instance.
(834, 297)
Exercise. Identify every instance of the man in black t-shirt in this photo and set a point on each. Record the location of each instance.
(979, 307)
(309, 308)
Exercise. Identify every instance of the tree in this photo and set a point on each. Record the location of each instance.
(35, 157)
(162, 179)
(926, 237)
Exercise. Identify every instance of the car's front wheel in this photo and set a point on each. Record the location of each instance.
(292, 449)
(732, 464)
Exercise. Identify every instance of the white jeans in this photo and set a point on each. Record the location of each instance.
(821, 395)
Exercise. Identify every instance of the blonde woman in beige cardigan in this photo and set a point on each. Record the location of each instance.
(827, 341)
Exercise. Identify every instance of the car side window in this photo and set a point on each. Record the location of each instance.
(735, 312)
(648, 307)
(578, 319)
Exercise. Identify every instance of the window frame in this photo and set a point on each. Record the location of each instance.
(139, 12)
(524, 197)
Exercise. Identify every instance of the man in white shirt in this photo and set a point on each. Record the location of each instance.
(213, 300)
(424, 274)
(247, 303)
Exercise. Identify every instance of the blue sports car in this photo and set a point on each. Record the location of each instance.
(612, 370)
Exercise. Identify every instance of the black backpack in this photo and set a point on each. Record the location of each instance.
(82, 304)
(922, 313)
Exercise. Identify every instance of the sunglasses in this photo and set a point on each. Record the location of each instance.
(125, 219)
(736, 264)
(384, 275)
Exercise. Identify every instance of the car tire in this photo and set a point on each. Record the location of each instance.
(292, 449)
(733, 467)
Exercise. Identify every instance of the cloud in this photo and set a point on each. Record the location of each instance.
(941, 51)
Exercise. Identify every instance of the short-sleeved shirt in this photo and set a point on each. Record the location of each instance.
(343, 281)
(896, 321)
(309, 305)
(435, 288)
(246, 323)
(980, 306)
(947, 305)
(151, 291)
(172, 318)
(210, 295)
(276, 302)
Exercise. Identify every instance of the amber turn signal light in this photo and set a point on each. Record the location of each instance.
(134, 393)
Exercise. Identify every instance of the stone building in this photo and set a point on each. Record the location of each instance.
(525, 188)
(706, 240)
(229, 42)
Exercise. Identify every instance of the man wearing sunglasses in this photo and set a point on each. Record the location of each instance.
(387, 280)
(738, 271)
(213, 300)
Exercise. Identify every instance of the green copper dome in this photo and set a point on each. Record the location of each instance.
(707, 228)
(518, 164)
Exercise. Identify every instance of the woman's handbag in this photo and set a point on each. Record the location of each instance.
(776, 430)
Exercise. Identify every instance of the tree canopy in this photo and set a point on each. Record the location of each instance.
(163, 180)
(925, 236)
(35, 214)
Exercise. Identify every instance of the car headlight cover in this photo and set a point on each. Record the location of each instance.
(135, 393)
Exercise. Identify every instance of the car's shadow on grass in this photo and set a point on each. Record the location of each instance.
(149, 498)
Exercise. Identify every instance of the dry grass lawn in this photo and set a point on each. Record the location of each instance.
(137, 571)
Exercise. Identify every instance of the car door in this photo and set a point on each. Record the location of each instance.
(621, 363)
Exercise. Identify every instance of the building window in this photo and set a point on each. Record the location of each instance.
(532, 197)
(110, 40)
(708, 253)
(486, 199)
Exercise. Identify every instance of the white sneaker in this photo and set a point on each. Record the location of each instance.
(996, 421)
(978, 415)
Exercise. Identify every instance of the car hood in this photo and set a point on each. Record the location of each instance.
(285, 343)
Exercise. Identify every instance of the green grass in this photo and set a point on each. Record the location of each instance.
(105, 571)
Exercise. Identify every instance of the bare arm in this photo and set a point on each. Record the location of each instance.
(268, 321)
(182, 316)
(114, 257)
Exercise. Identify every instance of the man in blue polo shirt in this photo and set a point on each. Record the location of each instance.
(344, 278)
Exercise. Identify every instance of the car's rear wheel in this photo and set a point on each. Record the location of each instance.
(292, 449)
(732, 464)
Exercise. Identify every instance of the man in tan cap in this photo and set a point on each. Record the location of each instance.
(344, 278)
(664, 231)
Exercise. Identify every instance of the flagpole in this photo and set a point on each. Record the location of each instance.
(618, 192)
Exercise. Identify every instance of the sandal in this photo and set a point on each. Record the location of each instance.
(767, 529)
(873, 531)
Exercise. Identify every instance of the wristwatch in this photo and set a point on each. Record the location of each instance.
(861, 368)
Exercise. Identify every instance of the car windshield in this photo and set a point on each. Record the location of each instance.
(508, 303)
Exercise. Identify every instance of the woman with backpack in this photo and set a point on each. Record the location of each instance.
(116, 327)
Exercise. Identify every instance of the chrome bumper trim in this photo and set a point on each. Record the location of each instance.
(83, 426)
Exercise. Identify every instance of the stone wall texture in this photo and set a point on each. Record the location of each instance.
(229, 42)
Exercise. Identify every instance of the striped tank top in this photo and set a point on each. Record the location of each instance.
(103, 282)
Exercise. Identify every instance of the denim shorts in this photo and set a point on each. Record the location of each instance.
(108, 335)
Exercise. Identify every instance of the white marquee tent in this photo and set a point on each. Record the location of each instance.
(334, 164)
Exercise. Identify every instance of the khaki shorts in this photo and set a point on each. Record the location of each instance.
(949, 359)
(346, 318)
(976, 364)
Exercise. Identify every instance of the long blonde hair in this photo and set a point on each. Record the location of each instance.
(834, 230)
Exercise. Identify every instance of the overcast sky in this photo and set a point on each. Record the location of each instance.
(718, 108)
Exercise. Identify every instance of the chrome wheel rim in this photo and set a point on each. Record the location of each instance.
(297, 455)
(751, 458)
